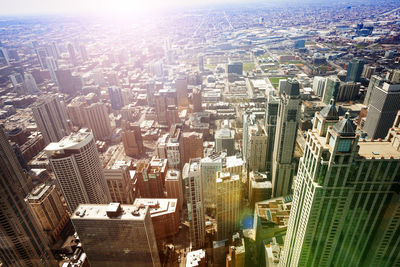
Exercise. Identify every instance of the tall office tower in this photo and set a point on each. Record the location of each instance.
(75, 112)
(348, 91)
(197, 100)
(77, 167)
(72, 55)
(282, 85)
(30, 84)
(354, 71)
(174, 186)
(52, 67)
(331, 89)
(68, 83)
(163, 99)
(42, 54)
(97, 119)
(115, 94)
(194, 197)
(395, 76)
(22, 241)
(368, 71)
(192, 146)
(172, 115)
(225, 139)
(201, 62)
(235, 67)
(209, 166)
(150, 176)
(4, 58)
(174, 147)
(116, 235)
(384, 104)
(256, 148)
(150, 91)
(132, 140)
(55, 50)
(165, 217)
(345, 210)
(319, 85)
(84, 55)
(228, 201)
(51, 119)
(181, 84)
(285, 139)
(271, 117)
(373, 83)
(16, 79)
(46, 204)
(117, 174)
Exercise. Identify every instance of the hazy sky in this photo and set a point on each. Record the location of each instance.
(10, 7)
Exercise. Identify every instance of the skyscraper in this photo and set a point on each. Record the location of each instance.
(384, 104)
(271, 116)
(163, 99)
(30, 84)
(285, 139)
(331, 89)
(345, 210)
(22, 241)
(354, 71)
(52, 67)
(228, 202)
(115, 94)
(256, 148)
(174, 186)
(4, 58)
(197, 100)
(225, 139)
(181, 84)
(78, 170)
(319, 85)
(72, 55)
(150, 177)
(97, 119)
(192, 146)
(51, 119)
(84, 55)
(46, 204)
(194, 197)
(201, 62)
(132, 140)
(117, 235)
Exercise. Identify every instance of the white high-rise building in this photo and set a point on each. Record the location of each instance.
(194, 197)
(116, 235)
(51, 118)
(256, 148)
(319, 85)
(78, 170)
(52, 67)
(228, 199)
(285, 139)
(30, 84)
(345, 210)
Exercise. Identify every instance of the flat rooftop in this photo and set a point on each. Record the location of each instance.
(73, 141)
(99, 212)
(377, 149)
(158, 206)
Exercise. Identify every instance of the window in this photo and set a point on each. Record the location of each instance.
(344, 145)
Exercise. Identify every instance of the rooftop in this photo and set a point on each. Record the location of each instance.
(377, 149)
(158, 206)
(193, 258)
(73, 141)
(99, 212)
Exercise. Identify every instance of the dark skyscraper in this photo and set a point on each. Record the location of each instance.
(22, 241)
(354, 71)
(115, 94)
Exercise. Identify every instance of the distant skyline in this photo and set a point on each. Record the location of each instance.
(127, 7)
(109, 7)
